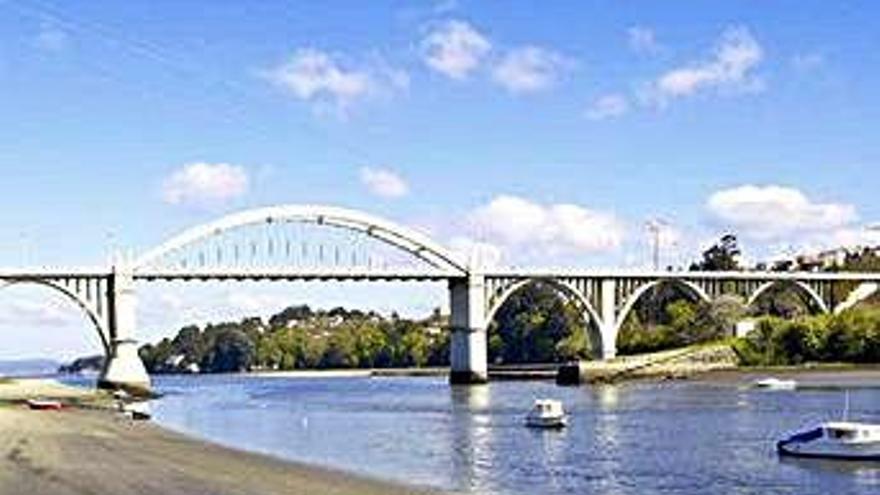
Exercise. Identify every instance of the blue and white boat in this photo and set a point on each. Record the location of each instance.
(843, 440)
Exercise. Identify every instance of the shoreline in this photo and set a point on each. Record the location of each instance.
(94, 450)
(548, 371)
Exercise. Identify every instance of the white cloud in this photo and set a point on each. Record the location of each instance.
(205, 183)
(318, 77)
(773, 212)
(642, 40)
(732, 66)
(516, 224)
(530, 69)
(455, 49)
(384, 182)
(608, 106)
(479, 254)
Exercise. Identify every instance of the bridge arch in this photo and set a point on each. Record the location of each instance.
(859, 293)
(689, 287)
(564, 291)
(398, 236)
(69, 294)
(802, 287)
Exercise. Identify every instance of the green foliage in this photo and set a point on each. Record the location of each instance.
(300, 338)
(232, 351)
(723, 256)
(852, 336)
(681, 323)
(784, 300)
(536, 325)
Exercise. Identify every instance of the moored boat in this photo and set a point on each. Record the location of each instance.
(546, 413)
(136, 410)
(843, 440)
(44, 405)
(776, 384)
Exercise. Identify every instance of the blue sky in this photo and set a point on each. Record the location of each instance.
(547, 132)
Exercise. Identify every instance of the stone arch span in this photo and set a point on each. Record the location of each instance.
(398, 236)
(70, 294)
(802, 287)
(565, 291)
(689, 287)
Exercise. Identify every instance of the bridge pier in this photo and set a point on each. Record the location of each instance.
(123, 368)
(468, 346)
(608, 327)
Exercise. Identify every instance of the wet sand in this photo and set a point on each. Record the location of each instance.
(93, 451)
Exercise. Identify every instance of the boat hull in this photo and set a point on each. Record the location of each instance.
(44, 405)
(813, 445)
(549, 423)
(787, 451)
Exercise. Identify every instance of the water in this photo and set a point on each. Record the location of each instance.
(671, 438)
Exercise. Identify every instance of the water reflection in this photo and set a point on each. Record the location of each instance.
(606, 395)
(471, 437)
(867, 473)
(606, 428)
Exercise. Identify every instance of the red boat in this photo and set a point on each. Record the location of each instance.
(44, 405)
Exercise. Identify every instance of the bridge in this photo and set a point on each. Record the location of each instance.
(324, 243)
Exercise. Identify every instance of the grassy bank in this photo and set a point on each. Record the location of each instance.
(850, 337)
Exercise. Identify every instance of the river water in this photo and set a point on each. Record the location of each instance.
(673, 437)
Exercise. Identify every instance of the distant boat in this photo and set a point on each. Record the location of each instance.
(44, 405)
(842, 440)
(776, 384)
(546, 413)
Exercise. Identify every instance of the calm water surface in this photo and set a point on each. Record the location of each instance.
(683, 437)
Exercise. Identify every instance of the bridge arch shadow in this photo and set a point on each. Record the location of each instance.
(812, 300)
(688, 289)
(69, 295)
(566, 294)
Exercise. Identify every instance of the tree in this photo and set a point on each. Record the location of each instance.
(784, 300)
(722, 256)
(232, 351)
(719, 318)
(532, 323)
(189, 343)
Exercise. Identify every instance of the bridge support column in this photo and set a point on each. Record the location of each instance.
(123, 368)
(608, 326)
(468, 346)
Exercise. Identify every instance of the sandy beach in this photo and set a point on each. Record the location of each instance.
(87, 450)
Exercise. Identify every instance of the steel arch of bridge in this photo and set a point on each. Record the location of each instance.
(444, 263)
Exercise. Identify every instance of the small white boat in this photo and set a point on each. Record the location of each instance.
(546, 413)
(843, 440)
(136, 410)
(776, 384)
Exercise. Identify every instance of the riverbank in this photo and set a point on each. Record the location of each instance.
(824, 376)
(93, 450)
